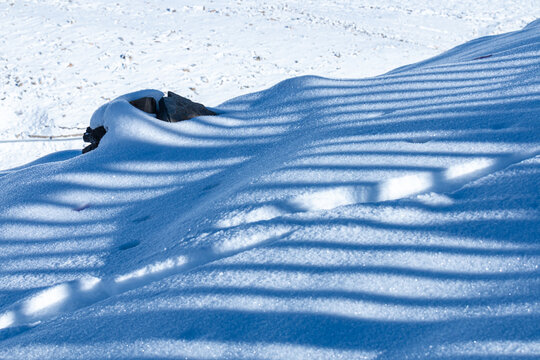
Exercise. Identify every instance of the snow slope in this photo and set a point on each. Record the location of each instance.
(394, 217)
(60, 60)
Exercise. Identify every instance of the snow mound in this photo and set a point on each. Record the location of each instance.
(391, 217)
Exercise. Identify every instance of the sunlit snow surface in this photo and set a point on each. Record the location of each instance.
(60, 59)
(391, 217)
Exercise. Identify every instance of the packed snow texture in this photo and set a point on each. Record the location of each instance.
(60, 60)
(394, 217)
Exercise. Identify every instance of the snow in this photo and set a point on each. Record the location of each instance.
(60, 60)
(390, 217)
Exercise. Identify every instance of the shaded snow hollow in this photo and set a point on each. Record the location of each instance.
(394, 217)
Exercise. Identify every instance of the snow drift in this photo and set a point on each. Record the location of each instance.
(392, 217)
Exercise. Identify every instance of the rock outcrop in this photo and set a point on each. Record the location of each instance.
(175, 108)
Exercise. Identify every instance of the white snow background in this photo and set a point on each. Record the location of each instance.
(391, 217)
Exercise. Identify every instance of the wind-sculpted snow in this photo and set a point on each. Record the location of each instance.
(60, 60)
(392, 217)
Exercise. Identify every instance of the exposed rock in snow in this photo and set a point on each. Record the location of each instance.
(175, 108)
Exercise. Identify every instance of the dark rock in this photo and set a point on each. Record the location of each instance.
(166, 109)
(195, 108)
(174, 108)
(89, 148)
(93, 136)
(146, 104)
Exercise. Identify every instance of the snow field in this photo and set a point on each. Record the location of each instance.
(60, 61)
(393, 217)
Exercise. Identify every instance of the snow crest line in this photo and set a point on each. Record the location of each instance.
(74, 295)
(443, 181)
